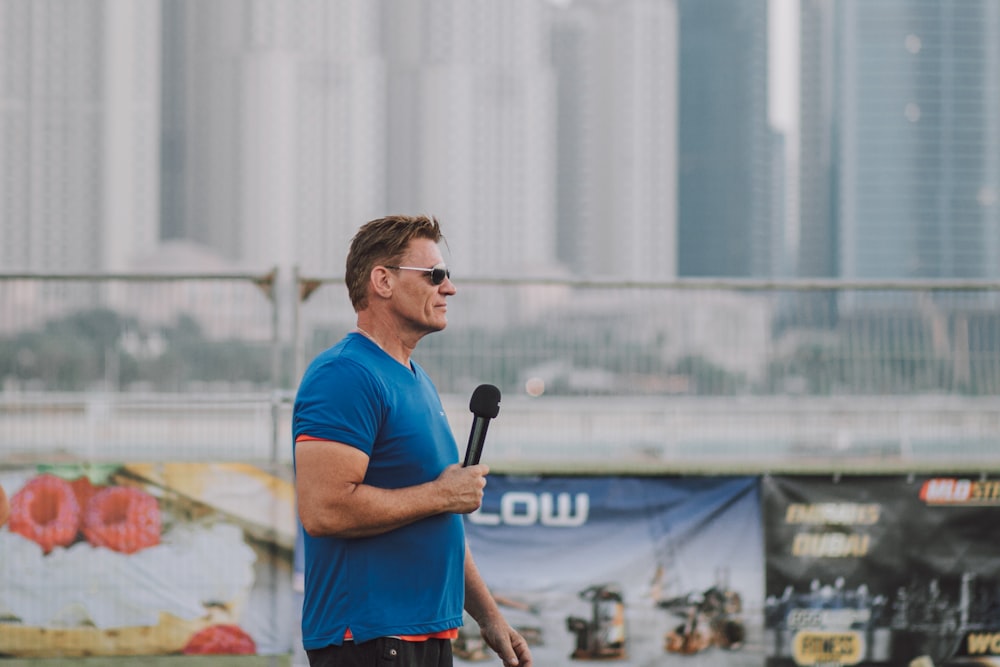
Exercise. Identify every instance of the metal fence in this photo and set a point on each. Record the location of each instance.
(713, 375)
(139, 367)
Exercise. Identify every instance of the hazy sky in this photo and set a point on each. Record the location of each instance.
(783, 80)
(784, 63)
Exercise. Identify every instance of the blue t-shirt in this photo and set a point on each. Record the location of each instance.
(408, 581)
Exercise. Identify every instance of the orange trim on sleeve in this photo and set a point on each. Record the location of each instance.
(309, 438)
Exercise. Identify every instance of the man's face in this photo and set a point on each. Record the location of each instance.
(417, 301)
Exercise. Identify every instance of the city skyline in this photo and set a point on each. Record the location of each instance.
(901, 123)
(586, 138)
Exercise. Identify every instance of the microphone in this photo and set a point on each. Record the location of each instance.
(485, 405)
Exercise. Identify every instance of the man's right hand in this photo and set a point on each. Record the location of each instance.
(333, 499)
(462, 487)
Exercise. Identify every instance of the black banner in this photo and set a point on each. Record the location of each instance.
(881, 570)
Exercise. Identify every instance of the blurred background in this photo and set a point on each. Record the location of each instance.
(688, 236)
(652, 207)
(639, 139)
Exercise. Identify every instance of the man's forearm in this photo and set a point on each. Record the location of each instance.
(479, 602)
(368, 510)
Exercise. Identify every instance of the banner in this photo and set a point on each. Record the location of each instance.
(146, 559)
(881, 570)
(625, 569)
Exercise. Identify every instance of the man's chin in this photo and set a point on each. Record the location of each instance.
(437, 325)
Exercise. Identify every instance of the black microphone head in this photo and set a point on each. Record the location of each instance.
(485, 401)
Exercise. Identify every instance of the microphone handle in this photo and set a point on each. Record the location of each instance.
(477, 437)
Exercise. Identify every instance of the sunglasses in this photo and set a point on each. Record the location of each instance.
(438, 272)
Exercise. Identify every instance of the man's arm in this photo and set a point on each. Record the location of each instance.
(333, 500)
(496, 631)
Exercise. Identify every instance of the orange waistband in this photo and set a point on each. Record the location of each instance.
(443, 634)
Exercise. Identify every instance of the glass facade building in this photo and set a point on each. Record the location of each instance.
(901, 138)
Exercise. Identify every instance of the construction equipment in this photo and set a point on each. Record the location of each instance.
(602, 636)
(710, 618)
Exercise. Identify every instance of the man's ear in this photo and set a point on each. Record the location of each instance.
(380, 281)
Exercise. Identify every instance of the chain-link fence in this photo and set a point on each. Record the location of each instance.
(711, 374)
(133, 367)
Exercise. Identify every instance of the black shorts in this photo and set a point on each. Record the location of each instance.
(384, 652)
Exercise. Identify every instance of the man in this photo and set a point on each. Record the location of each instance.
(379, 488)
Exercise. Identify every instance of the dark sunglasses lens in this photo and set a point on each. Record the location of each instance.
(438, 274)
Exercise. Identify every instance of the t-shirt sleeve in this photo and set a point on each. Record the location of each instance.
(339, 401)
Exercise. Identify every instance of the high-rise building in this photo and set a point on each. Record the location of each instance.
(79, 134)
(780, 257)
(274, 118)
(617, 138)
(913, 135)
(817, 246)
(471, 133)
(725, 222)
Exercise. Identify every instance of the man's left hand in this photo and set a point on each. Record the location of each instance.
(508, 644)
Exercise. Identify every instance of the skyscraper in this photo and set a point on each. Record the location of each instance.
(914, 135)
(471, 128)
(817, 248)
(617, 138)
(79, 134)
(274, 127)
(725, 140)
